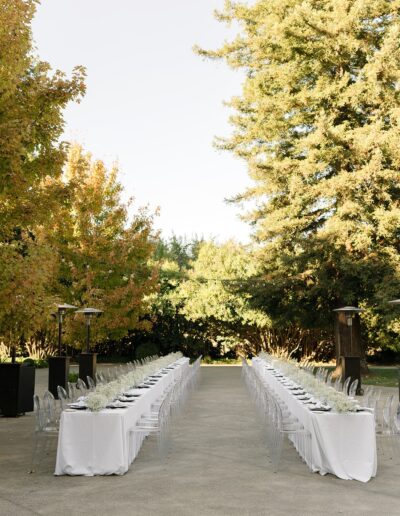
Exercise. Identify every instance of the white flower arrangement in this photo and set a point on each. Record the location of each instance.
(339, 401)
(96, 401)
(104, 394)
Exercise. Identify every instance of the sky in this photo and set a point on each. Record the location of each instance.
(152, 104)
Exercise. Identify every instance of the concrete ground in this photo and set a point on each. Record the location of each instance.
(217, 465)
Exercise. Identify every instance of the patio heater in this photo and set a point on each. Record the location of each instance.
(348, 343)
(88, 360)
(397, 302)
(59, 365)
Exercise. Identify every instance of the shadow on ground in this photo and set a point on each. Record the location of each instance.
(217, 464)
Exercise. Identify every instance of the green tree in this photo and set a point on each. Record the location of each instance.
(171, 330)
(212, 296)
(318, 125)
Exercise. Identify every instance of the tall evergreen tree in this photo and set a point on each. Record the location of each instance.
(318, 123)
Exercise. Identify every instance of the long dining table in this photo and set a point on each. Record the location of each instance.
(100, 443)
(343, 444)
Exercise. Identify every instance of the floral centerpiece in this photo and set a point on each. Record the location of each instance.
(339, 401)
(104, 394)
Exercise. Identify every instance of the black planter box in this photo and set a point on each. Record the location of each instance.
(17, 387)
(58, 373)
(87, 366)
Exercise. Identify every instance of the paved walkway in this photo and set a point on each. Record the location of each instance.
(217, 465)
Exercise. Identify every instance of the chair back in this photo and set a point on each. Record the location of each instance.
(81, 385)
(389, 412)
(345, 388)
(353, 388)
(40, 419)
(49, 406)
(62, 396)
(100, 378)
(337, 383)
(71, 391)
(91, 383)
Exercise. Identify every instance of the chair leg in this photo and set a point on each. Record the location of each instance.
(276, 451)
(37, 453)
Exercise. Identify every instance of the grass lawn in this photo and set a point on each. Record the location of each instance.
(382, 376)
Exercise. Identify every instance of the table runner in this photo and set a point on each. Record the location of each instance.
(99, 443)
(343, 444)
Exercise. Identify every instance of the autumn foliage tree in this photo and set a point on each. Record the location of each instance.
(32, 99)
(105, 255)
(64, 232)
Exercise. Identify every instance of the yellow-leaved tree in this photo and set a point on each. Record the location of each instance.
(32, 100)
(105, 254)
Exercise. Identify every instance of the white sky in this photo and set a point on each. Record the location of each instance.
(152, 104)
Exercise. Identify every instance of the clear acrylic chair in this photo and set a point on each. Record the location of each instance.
(151, 424)
(100, 378)
(353, 388)
(337, 384)
(345, 386)
(82, 387)
(329, 378)
(45, 432)
(91, 383)
(112, 373)
(294, 431)
(387, 428)
(52, 410)
(63, 397)
(277, 420)
(72, 394)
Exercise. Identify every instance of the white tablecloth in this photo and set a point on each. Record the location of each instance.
(99, 443)
(343, 444)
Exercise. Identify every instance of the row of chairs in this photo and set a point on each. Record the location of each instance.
(75, 391)
(387, 423)
(48, 414)
(323, 374)
(384, 406)
(169, 406)
(277, 420)
(113, 373)
(48, 411)
(47, 418)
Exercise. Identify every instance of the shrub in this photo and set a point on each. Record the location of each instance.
(41, 363)
(28, 362)
(147, 349)
(73, 377)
